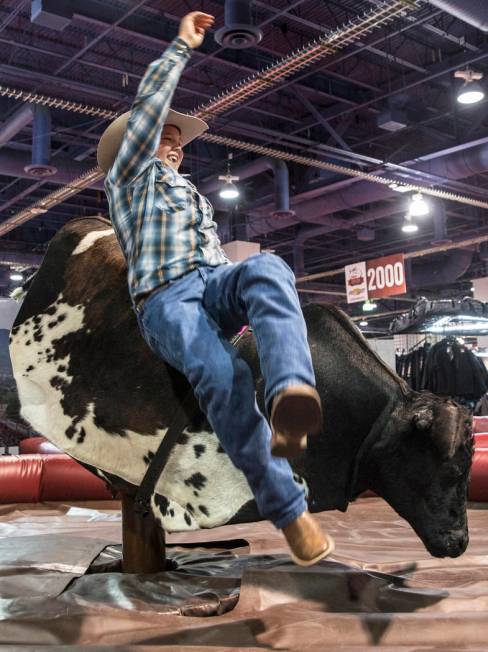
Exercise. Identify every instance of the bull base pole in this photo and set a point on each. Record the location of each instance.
(143, 543)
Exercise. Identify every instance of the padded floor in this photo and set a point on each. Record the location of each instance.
(235, 588)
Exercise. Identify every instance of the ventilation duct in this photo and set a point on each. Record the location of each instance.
(14, 164)
(473, 12)
(459, 162)
(439, 271)
(260, 165)
(17, 121)
(53, 14)
(238, 32)
(41, 144)
(20, 258)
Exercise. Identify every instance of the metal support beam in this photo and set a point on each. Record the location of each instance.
(325, 123)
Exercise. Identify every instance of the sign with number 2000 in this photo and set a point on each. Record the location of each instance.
(386, 276)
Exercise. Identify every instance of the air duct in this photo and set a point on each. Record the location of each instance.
(440, 223)
(53, 14)
(238, 32)
(41, 144)
(473, 12)
(440, 271)
(14, 164)
(281, 179)
(20, 258)
(457, 163)
(17, 121)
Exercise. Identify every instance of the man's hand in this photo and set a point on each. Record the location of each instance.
(193, 26)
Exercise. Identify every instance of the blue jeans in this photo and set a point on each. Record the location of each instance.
(187, 323)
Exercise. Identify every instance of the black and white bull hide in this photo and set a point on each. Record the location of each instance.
(90, 384)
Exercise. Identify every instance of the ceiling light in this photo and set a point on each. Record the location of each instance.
(229, 189)
(409, 226)
(37, 210)
(418, 206)
(369, 306)
(398, 187)
(471, 92)
(363, 322)
(16, 276)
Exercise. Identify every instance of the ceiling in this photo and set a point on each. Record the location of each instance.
(329, 111)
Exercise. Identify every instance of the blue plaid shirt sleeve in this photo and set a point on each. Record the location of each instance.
(149, 112)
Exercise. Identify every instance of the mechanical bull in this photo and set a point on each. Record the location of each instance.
(89, 383)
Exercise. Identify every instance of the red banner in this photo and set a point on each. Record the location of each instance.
(386, 276)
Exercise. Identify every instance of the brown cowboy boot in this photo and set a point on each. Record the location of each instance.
(308, 544)
(296, 411)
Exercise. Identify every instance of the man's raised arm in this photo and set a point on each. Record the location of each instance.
(153, 100)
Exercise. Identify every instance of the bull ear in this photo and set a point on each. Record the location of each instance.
(423, 419)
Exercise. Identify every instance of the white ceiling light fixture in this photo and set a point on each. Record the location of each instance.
(471, 91)
(418, 206)
(398, 187)
(409, 226)
(229, 190)
(16, 276)
(363, 322)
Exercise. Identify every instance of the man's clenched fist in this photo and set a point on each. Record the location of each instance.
(193, 26)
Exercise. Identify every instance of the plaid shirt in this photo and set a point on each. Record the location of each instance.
(162, 223)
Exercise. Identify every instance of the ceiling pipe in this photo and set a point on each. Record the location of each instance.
(260, 165)
(13, 164)
(20, 258)
(41, 144)
(473, 12)
(454, 265)
(17, 121)
(461, 162)
(238, 32)
(439, 272)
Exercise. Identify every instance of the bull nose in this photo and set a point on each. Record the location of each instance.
(457, 542)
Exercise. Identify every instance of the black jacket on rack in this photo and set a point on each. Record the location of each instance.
(452, 370)
(410, 366)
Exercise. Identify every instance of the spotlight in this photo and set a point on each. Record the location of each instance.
(471, 92)
(363, 322)
(398, 187)
(16, 276)
(418, 206)
(409, 226)
(369, 306)
(229, 190)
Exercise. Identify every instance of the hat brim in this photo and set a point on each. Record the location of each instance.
(109, 144)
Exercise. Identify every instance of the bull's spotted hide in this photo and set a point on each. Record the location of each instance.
(200, 488)
(190, 490)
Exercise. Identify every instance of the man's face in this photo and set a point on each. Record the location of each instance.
(169, 151)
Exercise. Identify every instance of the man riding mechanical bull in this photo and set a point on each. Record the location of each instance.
(189, 298)
(89, 383)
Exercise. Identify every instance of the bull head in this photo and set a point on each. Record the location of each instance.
(421, 467)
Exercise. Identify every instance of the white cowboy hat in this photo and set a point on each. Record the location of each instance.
(111, 139)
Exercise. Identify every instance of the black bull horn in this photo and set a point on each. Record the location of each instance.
(89, 383)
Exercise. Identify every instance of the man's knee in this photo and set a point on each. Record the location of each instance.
(267, 265)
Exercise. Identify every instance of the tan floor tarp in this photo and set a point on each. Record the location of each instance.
(380, 589)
